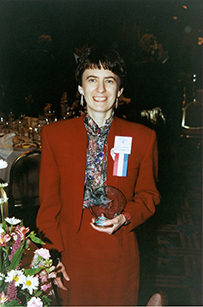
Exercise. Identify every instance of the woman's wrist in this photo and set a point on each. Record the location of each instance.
(127, 218)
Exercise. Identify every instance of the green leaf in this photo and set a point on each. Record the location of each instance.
(32, 271)
(35, 239)
(38, 241)
(47, 300)
(16, 258)
(4, 225)
(38, 293)
(5, 249)
(13, 303)
(27, 245)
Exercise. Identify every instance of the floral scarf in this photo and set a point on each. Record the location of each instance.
(96, 161)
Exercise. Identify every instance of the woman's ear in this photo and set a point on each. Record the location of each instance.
(80, 90)
(120, 92)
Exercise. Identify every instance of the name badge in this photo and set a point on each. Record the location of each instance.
(120, 153)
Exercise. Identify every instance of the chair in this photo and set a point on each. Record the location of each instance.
(191, 127)
(157, 300)
(24, 187)
(192, 119)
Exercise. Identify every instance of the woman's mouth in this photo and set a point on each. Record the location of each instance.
(99, 99)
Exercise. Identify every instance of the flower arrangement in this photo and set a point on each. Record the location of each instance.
(22, 285)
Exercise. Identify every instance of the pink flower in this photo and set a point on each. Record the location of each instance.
(3, 298)
(35, 302)
(4, 239)
(45, 287)
(12, 291)
(21, 231)
(43, 278)
(43, 252)
(15, 247)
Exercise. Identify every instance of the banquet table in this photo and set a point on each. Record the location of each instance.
(29, 133)
(8, 153)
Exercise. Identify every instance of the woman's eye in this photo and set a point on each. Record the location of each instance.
(110, 81)
(92, 80)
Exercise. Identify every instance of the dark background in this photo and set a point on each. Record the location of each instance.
(120, 23)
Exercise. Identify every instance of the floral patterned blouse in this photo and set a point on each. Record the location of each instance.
(96, 161)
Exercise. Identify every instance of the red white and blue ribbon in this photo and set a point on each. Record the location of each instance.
(120, 153)
(120, 164)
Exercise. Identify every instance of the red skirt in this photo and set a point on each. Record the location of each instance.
(103, 269)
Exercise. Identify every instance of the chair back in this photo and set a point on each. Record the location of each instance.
(24, 186)
(156, 300)
(192, 116)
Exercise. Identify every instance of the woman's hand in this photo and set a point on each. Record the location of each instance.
(60, 268)
(110, 226)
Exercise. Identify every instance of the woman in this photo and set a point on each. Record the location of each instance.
(99, 265)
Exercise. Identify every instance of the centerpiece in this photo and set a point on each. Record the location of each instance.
(22, 284)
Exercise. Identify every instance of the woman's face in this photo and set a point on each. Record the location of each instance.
(100, 88)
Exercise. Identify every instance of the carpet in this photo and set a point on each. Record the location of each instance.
(171, 241)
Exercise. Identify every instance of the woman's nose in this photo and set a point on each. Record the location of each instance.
(101, 87)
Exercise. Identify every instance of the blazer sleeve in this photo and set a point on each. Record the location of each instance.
(146, 195)
(50, 204)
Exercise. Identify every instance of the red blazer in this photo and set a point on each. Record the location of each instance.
(63, 173)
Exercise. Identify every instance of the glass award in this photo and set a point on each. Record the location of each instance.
(108, 202)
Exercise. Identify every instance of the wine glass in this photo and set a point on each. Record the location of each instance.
(2, 126)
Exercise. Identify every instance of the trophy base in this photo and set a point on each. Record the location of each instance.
(100, 220)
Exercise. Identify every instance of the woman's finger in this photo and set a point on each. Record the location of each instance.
(59, 284)
(110, 226)
(108, 230)
(60, 268)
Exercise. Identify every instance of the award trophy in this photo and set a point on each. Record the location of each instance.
(108, 202)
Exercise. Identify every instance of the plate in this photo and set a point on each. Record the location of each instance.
(25, 146)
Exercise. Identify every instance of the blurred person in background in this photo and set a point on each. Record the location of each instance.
(171, 104)
(171, 93)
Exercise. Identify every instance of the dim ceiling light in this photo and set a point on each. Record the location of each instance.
(185, 7)
(175, 17)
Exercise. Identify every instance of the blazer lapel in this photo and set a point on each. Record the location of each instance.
(80, 158)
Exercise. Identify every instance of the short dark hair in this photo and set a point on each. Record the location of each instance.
(101, 57)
